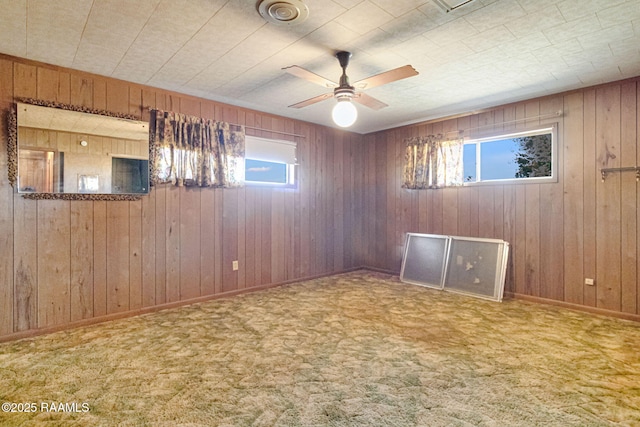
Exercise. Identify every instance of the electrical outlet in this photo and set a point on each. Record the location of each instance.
(234, 265)
(588, 282)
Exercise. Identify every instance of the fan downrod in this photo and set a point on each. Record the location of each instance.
(345, 90)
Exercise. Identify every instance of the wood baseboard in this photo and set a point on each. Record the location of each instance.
(576, 307)
(131, 313)
(539, 300)
(115, 316)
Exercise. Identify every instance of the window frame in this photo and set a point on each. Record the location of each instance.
(291, 172)
(542, 129)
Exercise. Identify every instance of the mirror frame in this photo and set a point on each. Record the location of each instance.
(12, 149)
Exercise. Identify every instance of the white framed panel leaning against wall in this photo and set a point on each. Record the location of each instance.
(466, 265)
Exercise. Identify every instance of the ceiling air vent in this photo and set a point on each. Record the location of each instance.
(283, 12)
(449, 5)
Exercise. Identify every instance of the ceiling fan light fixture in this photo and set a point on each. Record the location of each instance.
(344, 113)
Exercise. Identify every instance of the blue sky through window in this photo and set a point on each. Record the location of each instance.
(498, 160)
(263, 171)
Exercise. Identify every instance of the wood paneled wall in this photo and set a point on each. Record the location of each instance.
(70, 262)
(560, 233)
(64, 263)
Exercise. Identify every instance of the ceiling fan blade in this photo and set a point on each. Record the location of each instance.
(312, 100)
(386, 77)
(308, 75)
(369, 101)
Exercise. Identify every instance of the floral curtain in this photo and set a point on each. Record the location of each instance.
(432, 162)
(193, 151)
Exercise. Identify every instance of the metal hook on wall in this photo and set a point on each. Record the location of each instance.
(605, 171)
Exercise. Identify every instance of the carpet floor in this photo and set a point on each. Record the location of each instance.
(357, 349)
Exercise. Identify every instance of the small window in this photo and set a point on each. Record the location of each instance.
(511, 157)
(269, 161)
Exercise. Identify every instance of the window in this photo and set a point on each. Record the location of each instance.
(269, 161)
(512, 157)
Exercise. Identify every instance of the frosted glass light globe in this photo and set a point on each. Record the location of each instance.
(344, 113)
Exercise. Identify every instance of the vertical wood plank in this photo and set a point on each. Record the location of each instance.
(450, 211)
(551, 242)
(250, 237)
(369, 231)
(218, 244)
(518, 249)
(381, 208)
(265, 236)
(135, 255)
(464, 212)
(403, 205)
(172, 243)
(608, 228)
(149, 249)
(118, 265)
(338, 215)
(117, 96)
(25, 268)
(161, 243)
(81, 91)
(532, 240)
(100, 258)
(81, 252)
(573, 145)
(207, 242)
(47, 85)
(54, 267)
(302, 211)
(7, 295)
(190, 244)
(485, 212)
(25, 265)
(392, 200)
(319, 197)
(509, 234)
(629, 199)
(638, 210)
(591, 181)
(358, 212)
(278, 261)
(242, 238)
(229, 239)
(474, 212)
(498, 212)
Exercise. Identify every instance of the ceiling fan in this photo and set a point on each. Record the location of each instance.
(347, 92)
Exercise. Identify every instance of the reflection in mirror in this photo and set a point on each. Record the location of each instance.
(64, 151)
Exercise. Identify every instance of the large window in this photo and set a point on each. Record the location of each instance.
(511, 157)
(269, 161)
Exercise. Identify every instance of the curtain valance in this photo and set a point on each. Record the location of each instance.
(432, 162)
(193, 151)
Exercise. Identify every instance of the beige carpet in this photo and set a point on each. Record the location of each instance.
(360, 349)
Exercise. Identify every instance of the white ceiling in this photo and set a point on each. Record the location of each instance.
(485, 53)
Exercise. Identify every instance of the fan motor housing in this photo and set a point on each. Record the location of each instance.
(344, 92)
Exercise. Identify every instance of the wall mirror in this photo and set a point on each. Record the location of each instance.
(64, 152)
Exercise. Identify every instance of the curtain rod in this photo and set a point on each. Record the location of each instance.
(252, 127)
(524, 119)
(269, 130)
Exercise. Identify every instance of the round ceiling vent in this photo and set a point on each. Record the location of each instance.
(283, 12)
